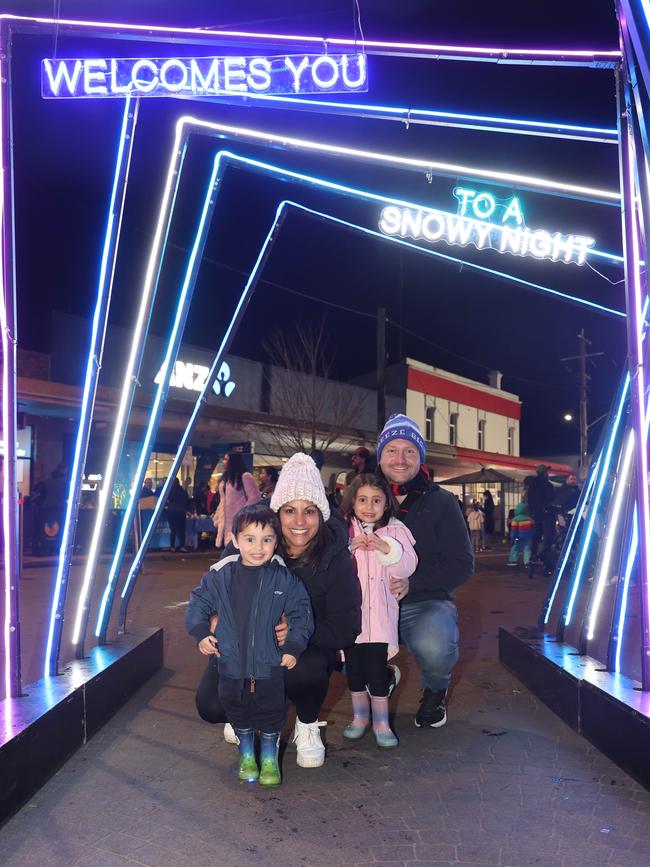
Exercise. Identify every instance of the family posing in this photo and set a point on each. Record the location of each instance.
(277, 637)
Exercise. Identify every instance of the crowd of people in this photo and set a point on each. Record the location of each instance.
(384, 567)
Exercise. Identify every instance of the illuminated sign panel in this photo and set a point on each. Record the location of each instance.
(202, 76)
(192, 377)
(488, 224)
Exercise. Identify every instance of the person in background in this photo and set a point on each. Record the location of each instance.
(268, 481)
(568, 495)
(540, 496)
(147, 488)
(488, 514)
(201, 499)
(176, 509)
(475, 521)
(237, 488)
(363, 461)
(211, 498)
(521, 535)
(428, 616)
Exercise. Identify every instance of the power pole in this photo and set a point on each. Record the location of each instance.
(584, 380)
(381, 368)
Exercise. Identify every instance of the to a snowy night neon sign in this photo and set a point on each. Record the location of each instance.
(487, 224)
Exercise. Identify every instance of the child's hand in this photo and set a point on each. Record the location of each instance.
(288, 661)
(281, 631)
(375, 543)
(208, 646)
(360, 541)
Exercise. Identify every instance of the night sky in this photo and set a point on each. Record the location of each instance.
(441, 314)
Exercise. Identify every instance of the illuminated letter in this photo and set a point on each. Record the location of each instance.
(143, 86)
(510, 240)
(433, 234)
(483, 231)
(583, 244)
(233, 74)
(208, 83)
(513, 212)
(200, 376)
(483, 206)
(325, 60)
(95, 70)
(411, 224)
(459, 229)
(296, 70)
(171, 86)
(464, 197)
(259, 75)
(115, 87)
(540, 244)
(390, 220)
(62, 74)
(362, 70)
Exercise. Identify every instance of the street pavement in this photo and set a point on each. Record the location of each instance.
(505, 782)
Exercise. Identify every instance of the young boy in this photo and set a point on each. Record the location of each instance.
(249, 593)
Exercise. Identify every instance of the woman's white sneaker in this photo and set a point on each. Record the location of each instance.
(229, 735)
(306, 737)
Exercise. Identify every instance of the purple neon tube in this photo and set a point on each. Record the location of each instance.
(636, 348)
(12, 678)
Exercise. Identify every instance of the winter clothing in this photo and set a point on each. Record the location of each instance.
(521, 534)
(279, 591)
(540, 494)
(401, 427)
(379, 608)
(475, 519)
(248, 771)
(444, 555)
(231, 501)
(522, 524)
(300, 480)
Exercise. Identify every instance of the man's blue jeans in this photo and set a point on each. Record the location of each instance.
(430, 631)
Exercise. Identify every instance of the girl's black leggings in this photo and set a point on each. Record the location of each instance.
(306, 686)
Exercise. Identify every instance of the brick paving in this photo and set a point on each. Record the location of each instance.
(505, 782)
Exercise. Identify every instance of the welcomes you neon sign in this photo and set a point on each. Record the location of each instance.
(487, 224)
(202, 76)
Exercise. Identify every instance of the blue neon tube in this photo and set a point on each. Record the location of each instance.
(93, 364)
(184, 300)
(593, 507)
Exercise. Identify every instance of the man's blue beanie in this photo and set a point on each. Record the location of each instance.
(401, 427)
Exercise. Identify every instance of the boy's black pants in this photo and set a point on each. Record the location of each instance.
(265, 709)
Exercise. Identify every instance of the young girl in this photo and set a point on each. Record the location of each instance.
(381, 546)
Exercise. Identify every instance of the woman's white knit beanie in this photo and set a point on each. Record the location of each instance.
(300, 480)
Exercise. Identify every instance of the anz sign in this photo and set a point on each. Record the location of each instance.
(192, 377)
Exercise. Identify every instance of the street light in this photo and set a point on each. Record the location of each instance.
(567, 416)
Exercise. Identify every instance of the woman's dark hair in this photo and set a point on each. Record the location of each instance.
(235, 470)
(372, 481)
(272, 473)
(258, 514)
(314, 552)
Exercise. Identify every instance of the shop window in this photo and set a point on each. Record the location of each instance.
(481, 435)
(453, 428)
(511, 441)
(428, 427)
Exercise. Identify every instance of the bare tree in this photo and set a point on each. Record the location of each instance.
(319, 411)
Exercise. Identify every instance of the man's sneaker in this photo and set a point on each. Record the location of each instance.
(433, 709)
(306, 737)
(229, 735)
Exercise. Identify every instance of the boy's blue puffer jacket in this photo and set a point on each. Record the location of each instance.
(279, 591)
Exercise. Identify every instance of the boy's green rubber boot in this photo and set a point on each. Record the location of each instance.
(248, 771)
(269, 768)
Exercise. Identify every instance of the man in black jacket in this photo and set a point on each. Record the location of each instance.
(428, 616)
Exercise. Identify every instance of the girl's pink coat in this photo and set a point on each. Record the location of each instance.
(379, 608)
(232, 500)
